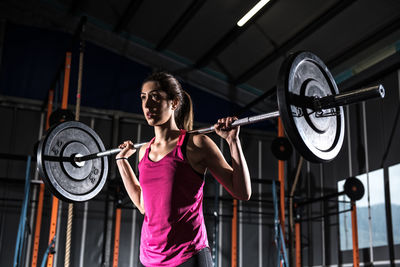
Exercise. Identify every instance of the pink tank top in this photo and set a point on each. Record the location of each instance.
(173, 228)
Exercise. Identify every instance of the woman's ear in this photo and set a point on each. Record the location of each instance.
(175, 103)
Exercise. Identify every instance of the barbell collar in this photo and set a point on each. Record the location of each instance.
(337, 100)
(351, 97)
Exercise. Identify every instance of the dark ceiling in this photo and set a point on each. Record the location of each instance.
(199, 39)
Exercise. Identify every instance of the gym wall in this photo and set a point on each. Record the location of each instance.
(110, 101)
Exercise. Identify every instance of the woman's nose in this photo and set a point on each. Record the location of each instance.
(147, 103)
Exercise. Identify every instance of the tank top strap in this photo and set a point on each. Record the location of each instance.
(177, 150)
(146, 154)
(181, 137)
(151, 142)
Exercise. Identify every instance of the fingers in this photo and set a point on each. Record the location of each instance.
(225, 124)
(127, 149)
(127, 144)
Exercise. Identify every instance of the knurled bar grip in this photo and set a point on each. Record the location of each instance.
(240, 122)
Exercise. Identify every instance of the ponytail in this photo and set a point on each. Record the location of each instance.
(184, 114)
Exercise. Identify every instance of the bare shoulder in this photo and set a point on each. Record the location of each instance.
(202, 141)
(199, 151)
(203, 145)
(209, 154)
(142, 150)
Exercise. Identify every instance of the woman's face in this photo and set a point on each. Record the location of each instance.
(156, 107)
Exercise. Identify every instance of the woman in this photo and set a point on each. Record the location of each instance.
(171, 168)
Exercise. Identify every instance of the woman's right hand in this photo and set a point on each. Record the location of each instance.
(127, 150)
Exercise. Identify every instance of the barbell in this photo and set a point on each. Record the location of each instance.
(73, 163)
(353, 188)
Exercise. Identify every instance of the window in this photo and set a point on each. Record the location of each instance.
(371, 221)
(394, 185)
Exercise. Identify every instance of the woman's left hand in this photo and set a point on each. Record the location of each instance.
(224, 128)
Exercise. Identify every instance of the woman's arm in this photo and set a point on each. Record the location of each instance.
(235, 178)
(129, 179)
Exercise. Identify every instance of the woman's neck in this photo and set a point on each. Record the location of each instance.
(164, 134)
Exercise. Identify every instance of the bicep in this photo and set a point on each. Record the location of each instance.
(141, 153)
(215, 162)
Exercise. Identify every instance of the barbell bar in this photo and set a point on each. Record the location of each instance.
(73, 162)
(353, 188)
(314, 103)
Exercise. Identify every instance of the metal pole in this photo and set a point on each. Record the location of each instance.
(34, 198)
(350, 171)
(57, 240)
(56, 205)
(309, 212)
(83, 237)
(323, 212)
(371, 249)
(260, 226)
(84, 220)
(134, 211)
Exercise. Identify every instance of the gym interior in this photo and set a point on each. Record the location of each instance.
(312, 204)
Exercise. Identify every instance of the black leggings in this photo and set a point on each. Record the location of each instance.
(201, 259)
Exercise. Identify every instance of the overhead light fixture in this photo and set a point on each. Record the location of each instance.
(252, 12)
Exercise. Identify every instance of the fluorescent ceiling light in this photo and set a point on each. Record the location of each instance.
(252, 12)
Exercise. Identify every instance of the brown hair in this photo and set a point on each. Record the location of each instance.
(169, 84)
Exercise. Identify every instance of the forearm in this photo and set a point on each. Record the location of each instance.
(241, 183)
(131, 184)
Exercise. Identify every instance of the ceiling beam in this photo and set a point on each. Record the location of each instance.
(372, 38)
(257, 100)
(127, 16)
(301, 35)
(224, 70)
(229, 37)
(184, 19)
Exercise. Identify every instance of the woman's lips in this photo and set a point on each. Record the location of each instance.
(150, 115)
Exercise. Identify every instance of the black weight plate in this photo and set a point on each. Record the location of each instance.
(354, 188)
(64, 178)
(316, 138)
(281, 148)
(60, 115)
